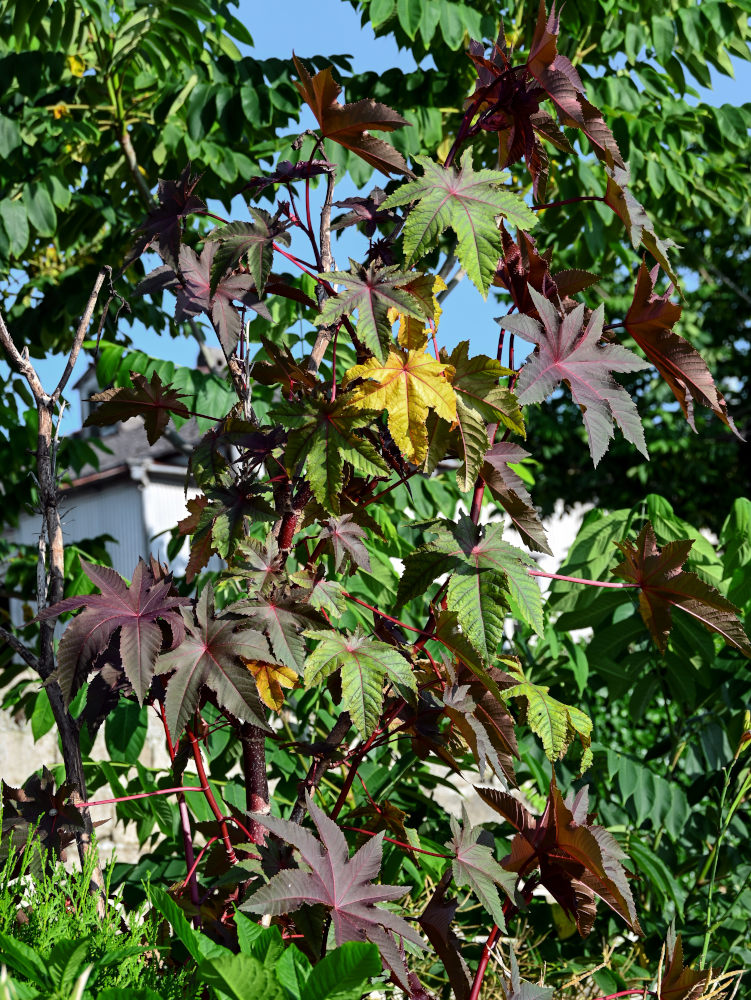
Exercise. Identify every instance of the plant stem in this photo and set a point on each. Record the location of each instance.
(579, 579)
(483, 963)
(318, 767)
(182, 807)
(376, 611)
(350, 776)
(256, 783)
(568, 201)
(399, 843)
(139, 795)
(232, 857)
(715, 853)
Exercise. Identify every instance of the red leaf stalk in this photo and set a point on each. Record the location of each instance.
(182, 807)
(210, 798)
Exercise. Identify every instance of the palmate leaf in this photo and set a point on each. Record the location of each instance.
(346, 539)
(364, 664)
(664, 585)
(282, 619)
(217, 519)
(554, 722)
(677, 981)
(565, 353)
(408, 384)
(270, 678)
(484, 724)
(176, 202)
(212, 654)
(252, 240)
(150, 400)
(196, 294)
(40, 808)
(373, 291)
(134, 611)
(486, 574)
(340, 883)
(577, 859)
(475, 866)
(650, 320)
(562, 84)
(467, 201)
(351, 124)
(322, 437)
(480, 401)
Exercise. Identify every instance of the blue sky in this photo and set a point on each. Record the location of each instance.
(334, 26)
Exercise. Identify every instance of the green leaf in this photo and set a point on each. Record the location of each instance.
(487, 573)
(658, 873)
(20, 957)
(373, 291)
(467, 201)
(42, 718)
(253, 240)
(10, 136)
(282, 620)
(39, 208)
(293, 970)
(475, 866)
(364, 664)
(241, 977)
(409, 13)
(344, 972)
(125, 731)
(322, 438)
(663, 37)
(199, 946)
(554, 722)
(16, 224)
(380, 11)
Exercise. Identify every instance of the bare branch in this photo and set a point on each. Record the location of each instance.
(22, 363)
(81, 332)
(130, 157)
(326, 333)
(21, 649)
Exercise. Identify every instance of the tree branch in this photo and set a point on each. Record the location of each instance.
(21, 649)
(83, 326)
(320, 765)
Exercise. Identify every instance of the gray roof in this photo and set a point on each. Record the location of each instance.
(128, 446)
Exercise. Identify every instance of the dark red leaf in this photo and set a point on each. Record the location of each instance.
(134, 610)
(664, 585)
(340, 883)
(176, 201)
(577, 860)
(650, 320)
(567, 353)
(194, 295)
(562, 84)
(679, 983)
(351, 124)
(150, 400)
(212, 655)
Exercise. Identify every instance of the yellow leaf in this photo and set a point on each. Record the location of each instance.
(76, 65)
(413, 333)
(270, 678)
(407, 384)
(60, 110)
